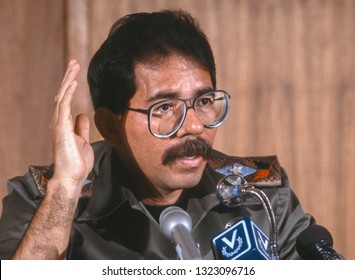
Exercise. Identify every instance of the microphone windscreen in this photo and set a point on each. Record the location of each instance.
(171, 217)
(176, 225)
(306, 243)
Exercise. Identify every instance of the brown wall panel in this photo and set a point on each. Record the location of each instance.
(32, 54)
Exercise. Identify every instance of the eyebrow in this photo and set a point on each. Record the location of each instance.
(175, 95)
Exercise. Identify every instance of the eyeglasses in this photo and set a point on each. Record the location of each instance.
(166, 117)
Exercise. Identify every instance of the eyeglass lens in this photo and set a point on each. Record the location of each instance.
(166, 117)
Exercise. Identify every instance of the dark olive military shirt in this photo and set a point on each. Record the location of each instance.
(111, 223)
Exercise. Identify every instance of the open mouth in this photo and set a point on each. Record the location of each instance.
(190, 161)
(190, 151)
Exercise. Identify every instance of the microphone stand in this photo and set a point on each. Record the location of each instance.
(248, 189)
(232, 192)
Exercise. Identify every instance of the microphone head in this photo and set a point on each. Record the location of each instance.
(309, 241)
(228, 190)
(172, 217)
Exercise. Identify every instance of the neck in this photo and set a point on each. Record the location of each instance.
(161, 200)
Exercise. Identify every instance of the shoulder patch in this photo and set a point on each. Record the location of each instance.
(258, 171)
(42, 174)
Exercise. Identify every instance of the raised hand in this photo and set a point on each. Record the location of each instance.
(47, 236)
(73, 155)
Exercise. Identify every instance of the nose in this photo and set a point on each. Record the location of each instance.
(192, 125)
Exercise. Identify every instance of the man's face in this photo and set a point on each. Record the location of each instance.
(178, 77)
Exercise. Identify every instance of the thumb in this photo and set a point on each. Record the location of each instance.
(82, 127)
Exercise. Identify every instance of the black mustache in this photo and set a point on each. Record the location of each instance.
(190, 148)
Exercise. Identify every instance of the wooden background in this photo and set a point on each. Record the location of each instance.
(288, 64)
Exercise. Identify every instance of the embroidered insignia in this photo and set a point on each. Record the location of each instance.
(237, 169)
(262, 171)
(42, 174)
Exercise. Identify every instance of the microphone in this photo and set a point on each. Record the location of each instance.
(316, 243)
(243, 240)
(232, 191)
(176, 225)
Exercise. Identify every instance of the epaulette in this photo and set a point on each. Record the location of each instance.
(257, 171)
(42, 174)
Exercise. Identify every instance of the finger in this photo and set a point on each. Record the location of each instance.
(70, 65)
(64, 107)
(82, 127)
(70, 75)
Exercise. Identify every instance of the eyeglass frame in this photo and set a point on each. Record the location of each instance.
(184, 100)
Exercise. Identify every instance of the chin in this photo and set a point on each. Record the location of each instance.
(189, 177)
(186, 181)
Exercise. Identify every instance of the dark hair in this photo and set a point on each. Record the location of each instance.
(137, 38)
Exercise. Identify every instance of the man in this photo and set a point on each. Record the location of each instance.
(153, 86)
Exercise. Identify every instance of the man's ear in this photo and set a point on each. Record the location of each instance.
(109, 125)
